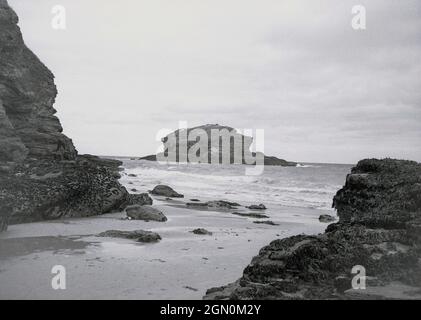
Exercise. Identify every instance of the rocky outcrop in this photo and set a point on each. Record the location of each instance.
(41, 174)
(325, 218)
(257, 207)
(28, 126)
(137, 235)
(201, 231)
(43, 189)
(236, 144)
(379, 229)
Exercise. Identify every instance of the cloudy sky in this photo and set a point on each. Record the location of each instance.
(322, 91)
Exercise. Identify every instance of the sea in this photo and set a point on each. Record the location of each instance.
(310, 186)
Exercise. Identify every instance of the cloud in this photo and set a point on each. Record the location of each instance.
(321, 90)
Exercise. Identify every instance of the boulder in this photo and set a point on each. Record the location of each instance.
(138, 235)
(326, 218)
(145, 212)
(222, 204)
(165, 191)
(239, 146)
(268, 222)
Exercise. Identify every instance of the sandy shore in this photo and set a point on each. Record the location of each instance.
(181, 266)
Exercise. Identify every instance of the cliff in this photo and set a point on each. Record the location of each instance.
(28, 126)
(379, 228)
(41, 174)
(238, 144)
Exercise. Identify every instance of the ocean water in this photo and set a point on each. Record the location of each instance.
(308, 186)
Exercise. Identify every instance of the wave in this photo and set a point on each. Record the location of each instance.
(276, 187)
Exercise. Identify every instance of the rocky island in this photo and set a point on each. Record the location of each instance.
(379, 229)
(179, 138)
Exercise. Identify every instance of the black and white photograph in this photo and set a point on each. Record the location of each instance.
(212, 151)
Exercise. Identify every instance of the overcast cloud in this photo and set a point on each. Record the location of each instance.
(322, 91)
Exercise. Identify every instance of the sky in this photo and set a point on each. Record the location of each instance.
(320, 90)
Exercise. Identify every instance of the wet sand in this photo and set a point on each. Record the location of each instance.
(181, 266)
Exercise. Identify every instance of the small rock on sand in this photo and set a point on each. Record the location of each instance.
(250, 215)
(257, 207)
(201, 231)
(214, 204)
(326, 218)
(138, 235)
(145, 212)
(196, 204)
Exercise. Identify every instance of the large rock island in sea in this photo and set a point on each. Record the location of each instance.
(41, 174)
(379, 231)
(238, 144)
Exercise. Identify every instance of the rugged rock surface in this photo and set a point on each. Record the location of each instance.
(250, 215)
(379, 228)
(179, 138)
(145, 212)
(138, 235)
(41, 174)
(165, 191)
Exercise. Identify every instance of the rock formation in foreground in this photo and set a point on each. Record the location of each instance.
(379, 228)
(179, 138)
(41, 174)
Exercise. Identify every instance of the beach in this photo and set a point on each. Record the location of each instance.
(182, 265)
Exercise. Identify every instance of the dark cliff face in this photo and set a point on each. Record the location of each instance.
(28, 126)
(379, 228)
(41, 174)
